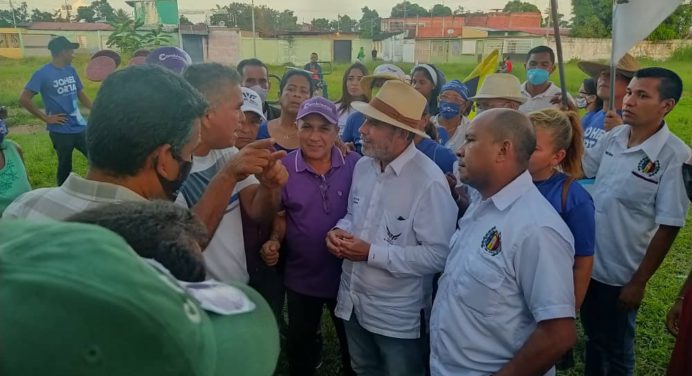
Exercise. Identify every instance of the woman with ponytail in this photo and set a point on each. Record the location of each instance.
(555, 167)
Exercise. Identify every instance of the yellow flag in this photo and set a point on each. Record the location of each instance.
(487, 66)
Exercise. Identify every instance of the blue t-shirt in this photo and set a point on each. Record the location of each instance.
(351, 130)
(593, 124)
(443, 157)
(263, 132)
(579, 212)
(443, 135)
(59, 88)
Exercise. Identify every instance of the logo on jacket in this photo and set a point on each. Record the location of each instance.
(646, 166)
(492, 242)
(391, 237)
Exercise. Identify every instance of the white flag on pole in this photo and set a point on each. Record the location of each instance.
(634, 20)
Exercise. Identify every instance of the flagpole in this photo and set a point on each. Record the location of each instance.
(613, 63)
(558, 47)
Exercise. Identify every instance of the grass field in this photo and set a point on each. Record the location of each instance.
(653, 342)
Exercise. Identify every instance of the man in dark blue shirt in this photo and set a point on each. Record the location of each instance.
(60, 88)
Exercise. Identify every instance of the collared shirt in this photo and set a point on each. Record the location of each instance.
(224, 257)
(510, 268)
(313, 204)
(540, 101)
(636, 190)
(408, 215)
(76, 194)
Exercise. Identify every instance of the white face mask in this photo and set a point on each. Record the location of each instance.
(262, 92)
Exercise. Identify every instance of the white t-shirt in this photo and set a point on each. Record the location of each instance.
(225, 255)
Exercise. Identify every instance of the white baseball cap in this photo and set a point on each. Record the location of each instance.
(252, 102)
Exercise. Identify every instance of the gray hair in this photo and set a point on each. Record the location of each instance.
(211, 79)
(158, 230)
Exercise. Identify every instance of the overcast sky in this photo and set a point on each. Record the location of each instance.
(306, 10)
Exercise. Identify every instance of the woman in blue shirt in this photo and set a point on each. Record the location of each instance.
(554, 166)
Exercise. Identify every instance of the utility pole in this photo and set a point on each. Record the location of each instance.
(14, 20)
(254, 35)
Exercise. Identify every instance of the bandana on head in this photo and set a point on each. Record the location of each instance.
(431, 71)
(457, 87)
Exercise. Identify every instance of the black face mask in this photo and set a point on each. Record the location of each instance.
(171, 187)
(687, 178)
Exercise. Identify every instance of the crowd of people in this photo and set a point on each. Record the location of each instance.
(447, 232)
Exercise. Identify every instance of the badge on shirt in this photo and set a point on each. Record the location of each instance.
(492, 242)
(647, 167)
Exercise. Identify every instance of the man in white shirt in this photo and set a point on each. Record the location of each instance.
(394, 236)
(505, 305)
(539, 91)
(640, 207)
(251, 177)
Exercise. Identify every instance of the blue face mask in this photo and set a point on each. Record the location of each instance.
(537, 76)
(449, 110)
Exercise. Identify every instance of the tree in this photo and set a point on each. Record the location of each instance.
(21, 15)
(320, 24)
(517, 6)
(439, 10)
(369, 23)
(184, 20)
(286, 21)
(121, 16)
(267, 20)
(344, 24)
(459, 11)
(593, 19)
(38, 15)
(86, 14)
(407, 9)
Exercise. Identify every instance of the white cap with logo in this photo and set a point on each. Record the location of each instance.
(252, 102)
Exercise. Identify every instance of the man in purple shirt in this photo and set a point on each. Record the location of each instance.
(314, 199)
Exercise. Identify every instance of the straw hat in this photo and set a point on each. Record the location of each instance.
(500, 85)
(397, 104)
(384, 71)
(627, 66)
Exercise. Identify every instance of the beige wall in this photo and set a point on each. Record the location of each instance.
(597, 49)
(223, 46)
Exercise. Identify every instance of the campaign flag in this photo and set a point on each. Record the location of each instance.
(486, 67)
(634, 20)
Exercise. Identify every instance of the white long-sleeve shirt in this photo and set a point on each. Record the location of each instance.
(408, 216)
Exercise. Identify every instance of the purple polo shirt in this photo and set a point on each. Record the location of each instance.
(313, 205)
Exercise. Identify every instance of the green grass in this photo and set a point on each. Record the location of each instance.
(654, 345)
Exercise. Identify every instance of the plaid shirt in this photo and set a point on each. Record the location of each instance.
(76, 194)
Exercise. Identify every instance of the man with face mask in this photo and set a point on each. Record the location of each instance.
(453, 106)
(540, 93)
(254, 75)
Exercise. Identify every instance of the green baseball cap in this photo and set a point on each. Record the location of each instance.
(75, 299)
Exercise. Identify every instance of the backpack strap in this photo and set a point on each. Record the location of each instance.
(565, 190)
